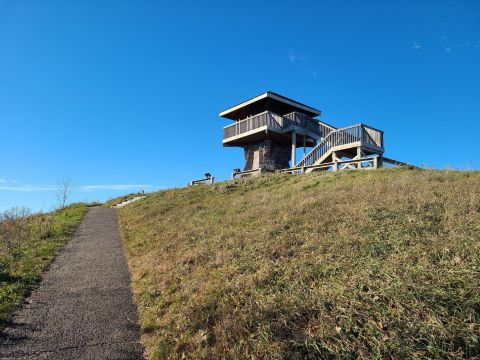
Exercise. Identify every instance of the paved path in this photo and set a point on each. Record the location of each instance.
(126, 202)
(83, 306)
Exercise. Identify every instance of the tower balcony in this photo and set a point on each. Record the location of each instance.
(277, 127)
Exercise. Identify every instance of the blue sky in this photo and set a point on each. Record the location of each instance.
(123, 95)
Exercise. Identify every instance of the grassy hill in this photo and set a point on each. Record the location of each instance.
(28, 244)
(368, 264)
(119, 200)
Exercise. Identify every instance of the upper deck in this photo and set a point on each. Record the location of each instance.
(270, 115)
(256, 127)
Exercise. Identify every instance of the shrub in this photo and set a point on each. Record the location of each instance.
(14, 231)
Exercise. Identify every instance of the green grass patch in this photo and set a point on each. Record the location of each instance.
(28, 245)
(367, 264)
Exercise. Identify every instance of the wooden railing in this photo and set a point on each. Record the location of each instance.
(325, 129)
(302, 121)
(276, 121)
(372, 162)
(372, 136)
(237, 173)
(208, 179)
(344, 136)
(266, 118)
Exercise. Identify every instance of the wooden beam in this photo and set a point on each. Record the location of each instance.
(294, 148)
(399, 163)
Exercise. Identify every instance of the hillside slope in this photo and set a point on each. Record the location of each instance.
(381, 263)
(28, 244)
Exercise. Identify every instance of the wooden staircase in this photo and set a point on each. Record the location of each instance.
(352, 141)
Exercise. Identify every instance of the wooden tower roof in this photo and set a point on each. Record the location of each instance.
(268, 101)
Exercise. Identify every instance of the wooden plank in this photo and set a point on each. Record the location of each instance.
(399, 163)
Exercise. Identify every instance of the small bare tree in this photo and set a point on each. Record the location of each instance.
(64, 190)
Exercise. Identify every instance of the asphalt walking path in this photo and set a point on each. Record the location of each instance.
(83, 307)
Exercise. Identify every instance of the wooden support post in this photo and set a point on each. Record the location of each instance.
(375, 162)
(359, 152)
(380, 161)
(294, 148)
(304, 147)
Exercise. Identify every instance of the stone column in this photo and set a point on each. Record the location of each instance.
(267, 155)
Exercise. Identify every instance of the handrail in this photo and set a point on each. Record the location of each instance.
(328, 126)
(343, 136)
(268, 118)
(254, 122)
(374, 160)
(208, 179)
(237, 173)
(306, 122)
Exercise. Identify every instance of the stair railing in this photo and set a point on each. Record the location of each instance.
(338, 137)
(343, 136)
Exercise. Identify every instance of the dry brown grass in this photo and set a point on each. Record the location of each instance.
(372, 264)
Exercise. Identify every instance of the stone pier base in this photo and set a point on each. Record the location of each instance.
(268, 155)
